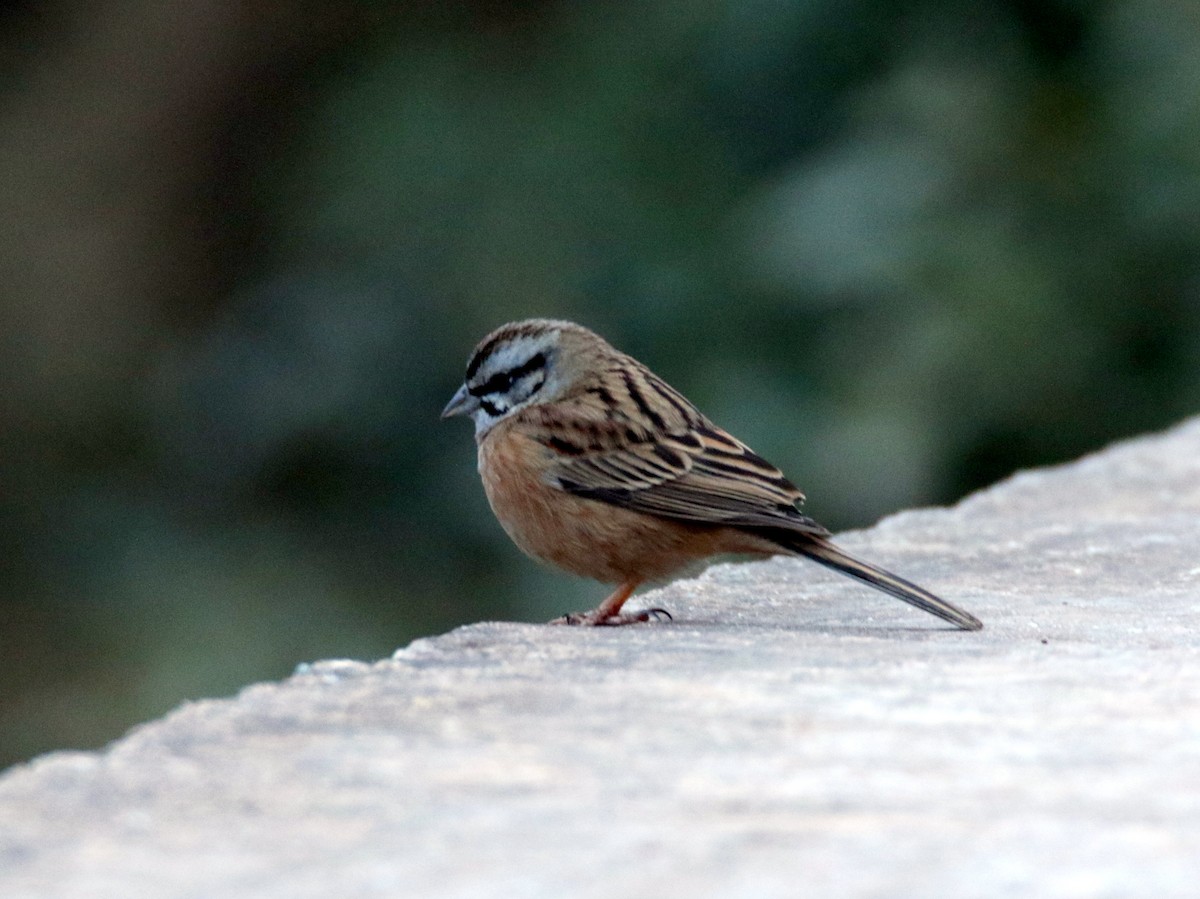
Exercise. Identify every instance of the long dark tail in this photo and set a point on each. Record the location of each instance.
(827, 554)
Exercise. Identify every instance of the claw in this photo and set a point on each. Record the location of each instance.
(596, 618)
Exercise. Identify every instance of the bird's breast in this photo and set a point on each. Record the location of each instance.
(587, 537)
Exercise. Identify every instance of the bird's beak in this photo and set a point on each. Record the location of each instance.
(462, 403)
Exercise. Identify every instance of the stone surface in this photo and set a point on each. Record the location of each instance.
(791, 733)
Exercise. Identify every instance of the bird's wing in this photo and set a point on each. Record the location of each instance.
(660, 456)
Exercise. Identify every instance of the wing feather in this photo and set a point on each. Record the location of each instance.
(665, 458)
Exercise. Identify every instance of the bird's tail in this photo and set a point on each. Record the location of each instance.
(820, 550)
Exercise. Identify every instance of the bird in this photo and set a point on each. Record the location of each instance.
(594, 464)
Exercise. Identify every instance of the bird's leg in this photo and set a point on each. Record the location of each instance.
(609, 614)
(611, 607)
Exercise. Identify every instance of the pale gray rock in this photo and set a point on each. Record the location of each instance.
(790, 734)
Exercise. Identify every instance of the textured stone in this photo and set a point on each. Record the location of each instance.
(791, 733)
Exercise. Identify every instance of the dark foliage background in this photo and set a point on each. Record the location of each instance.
(901, 248)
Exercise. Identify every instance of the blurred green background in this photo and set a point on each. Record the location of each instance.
(901, 248)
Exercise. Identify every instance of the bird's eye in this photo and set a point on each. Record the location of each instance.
(502, 381)
(497, 383)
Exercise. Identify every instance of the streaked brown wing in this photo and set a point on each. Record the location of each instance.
(674, 463)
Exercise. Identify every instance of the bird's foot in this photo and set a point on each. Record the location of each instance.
(599, 618)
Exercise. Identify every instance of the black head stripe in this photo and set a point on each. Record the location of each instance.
(503, 380)
(512, 332)
(532, 364)
(477, 360)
